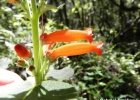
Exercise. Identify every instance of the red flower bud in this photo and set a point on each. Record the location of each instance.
(31, 68)
(22, 51)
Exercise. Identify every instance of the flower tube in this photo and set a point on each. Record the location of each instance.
(67, 36)
(22, 51)
(75, 49)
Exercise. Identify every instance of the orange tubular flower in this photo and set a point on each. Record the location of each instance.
(67, 36)
(76, 49)
(22, 51)
(13, 1)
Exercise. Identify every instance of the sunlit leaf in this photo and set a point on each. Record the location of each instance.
(48, 90)
(50, 7)
(14, 91)
(53, 90)
(62, 74)
(19, 16)
(8, 32)
(4, 62)
(102, 83)
(132, 71)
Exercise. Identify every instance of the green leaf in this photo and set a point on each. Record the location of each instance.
(120, 80)
(4, 62)
(7, 32)
(102, 83)
(18, 16)
(111, 31)
(99, 73)
(62, 74)
(138, 4)
(53, 90)
(50, 7)
(108, 93)
(86, 78)
(125, 96)
(48, 90)
(60, 6)
(21, 15)
(15, 91)
(132, 71)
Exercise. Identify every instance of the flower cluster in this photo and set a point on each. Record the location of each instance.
(72, 48)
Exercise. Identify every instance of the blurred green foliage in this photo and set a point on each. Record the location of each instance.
(116, 74)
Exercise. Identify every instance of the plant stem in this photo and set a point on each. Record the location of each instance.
(34, 7)
(35, 37)
(28, 8)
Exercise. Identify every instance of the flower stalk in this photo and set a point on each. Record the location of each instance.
(35, 37)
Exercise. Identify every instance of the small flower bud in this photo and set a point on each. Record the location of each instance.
(22, 63)
(31, 68)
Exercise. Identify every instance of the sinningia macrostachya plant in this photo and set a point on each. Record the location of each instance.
(42, 56)
(39, 58)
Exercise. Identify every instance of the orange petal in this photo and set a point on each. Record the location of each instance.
(10, 1)
(67, 36)
(76, 49)
(50, 46)
(22, 51)
(13, 1)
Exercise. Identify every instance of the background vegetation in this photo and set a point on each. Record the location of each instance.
(116, 74)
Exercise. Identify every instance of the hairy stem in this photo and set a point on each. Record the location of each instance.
(35, 37)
